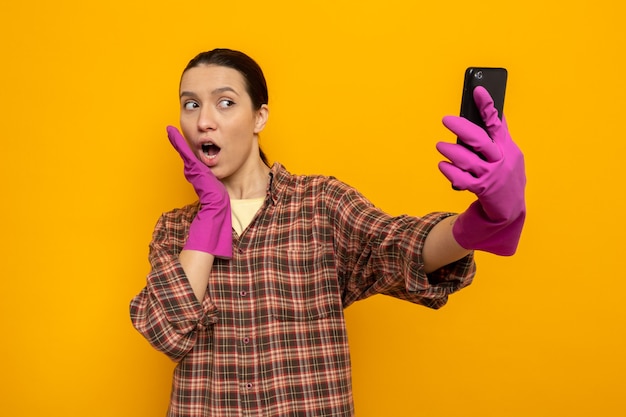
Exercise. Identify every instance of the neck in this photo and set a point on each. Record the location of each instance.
(250, 182)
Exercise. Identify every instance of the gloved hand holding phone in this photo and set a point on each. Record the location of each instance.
(491, 166)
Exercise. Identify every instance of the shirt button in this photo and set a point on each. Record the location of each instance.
(249, 385)
(246, 340)
(243, 293)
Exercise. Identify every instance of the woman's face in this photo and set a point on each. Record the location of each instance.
(218, 120)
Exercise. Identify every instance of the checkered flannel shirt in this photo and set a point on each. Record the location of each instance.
(269, 338)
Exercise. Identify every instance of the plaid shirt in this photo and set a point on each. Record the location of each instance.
(269, 338)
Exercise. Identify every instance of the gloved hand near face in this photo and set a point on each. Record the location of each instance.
(211, 229)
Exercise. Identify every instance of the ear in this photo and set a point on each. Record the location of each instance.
(261, 118)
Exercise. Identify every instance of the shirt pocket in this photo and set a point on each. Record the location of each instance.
(302, 284)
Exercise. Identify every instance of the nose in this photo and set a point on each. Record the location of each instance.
(206, 119)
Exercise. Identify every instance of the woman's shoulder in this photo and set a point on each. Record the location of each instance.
(321, 183)
(186, 212)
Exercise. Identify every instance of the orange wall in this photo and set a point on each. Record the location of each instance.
(357, 90)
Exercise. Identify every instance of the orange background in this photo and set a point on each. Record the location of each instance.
(357, 90)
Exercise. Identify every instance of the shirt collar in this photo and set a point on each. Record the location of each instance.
(278, 181)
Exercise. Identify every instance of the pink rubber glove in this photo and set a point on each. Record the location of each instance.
(211, 229)
(494, 172)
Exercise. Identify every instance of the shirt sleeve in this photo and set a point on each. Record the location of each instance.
(382, 254)
(166, 312)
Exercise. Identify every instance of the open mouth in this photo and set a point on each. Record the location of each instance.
(210, 150)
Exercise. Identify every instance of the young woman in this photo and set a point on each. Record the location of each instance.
(248, 284)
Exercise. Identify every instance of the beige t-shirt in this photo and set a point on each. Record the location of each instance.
(243, 212)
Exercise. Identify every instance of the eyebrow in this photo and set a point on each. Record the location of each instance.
(219, 90)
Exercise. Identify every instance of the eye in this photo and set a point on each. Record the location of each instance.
(225, 103)
(190, 105)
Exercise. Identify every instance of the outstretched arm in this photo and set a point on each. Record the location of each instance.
(440, 247)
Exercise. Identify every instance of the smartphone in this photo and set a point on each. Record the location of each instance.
(494, 80)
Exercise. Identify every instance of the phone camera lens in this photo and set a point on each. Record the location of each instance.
(478, 75)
